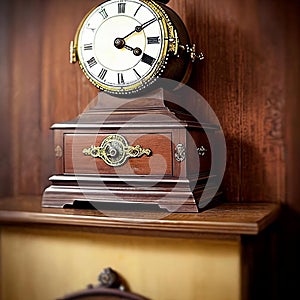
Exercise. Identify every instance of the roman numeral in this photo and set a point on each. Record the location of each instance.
(91, 28)
(153, 40)
(120, 78)
(102, 74)
(147, 59)
(103, 13)
(88, 46)
(121, 8)
(136, 73)
(137, 10)
(92, 62)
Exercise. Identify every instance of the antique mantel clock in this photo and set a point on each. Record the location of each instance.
(134, 146)
(124, 45)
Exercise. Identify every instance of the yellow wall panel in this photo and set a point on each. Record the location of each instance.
(42, 264)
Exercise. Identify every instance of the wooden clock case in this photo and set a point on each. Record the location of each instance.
(172, 178)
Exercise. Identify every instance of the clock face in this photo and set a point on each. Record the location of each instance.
(122, 45)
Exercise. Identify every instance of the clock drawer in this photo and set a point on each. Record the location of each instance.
(157, 162)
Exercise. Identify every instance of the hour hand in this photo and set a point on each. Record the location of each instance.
(136, 51)
(120, 44)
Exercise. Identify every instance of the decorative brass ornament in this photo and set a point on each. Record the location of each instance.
(173, 40)
(180, 153)
(115, 151)
(202, 151)
(192, 51)
(58, 152)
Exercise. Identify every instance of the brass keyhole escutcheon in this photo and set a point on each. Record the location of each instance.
(115, 151)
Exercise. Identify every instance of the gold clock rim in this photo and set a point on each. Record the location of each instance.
(156, 72)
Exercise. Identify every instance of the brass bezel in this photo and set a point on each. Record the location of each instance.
(170, 45)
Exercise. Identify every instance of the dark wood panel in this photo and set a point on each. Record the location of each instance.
(65, 92)
(292, 94)
(25, 95)
(243, 78)
(263, 104)
(6, 159)
(215, 31)
(159, 162)
(258, 267)
(249, 77)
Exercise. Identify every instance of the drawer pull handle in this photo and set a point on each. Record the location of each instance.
(115, 151)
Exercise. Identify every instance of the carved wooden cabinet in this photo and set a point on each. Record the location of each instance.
(133, 151)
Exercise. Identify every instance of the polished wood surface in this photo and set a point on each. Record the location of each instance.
(249, 50)
(75, 162)
(224, 219)
(249, 77)
(171, 176)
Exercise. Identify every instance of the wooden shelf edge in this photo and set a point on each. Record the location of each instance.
(225, 219)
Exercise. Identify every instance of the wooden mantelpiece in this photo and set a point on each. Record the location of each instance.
(228, 219)
(243, 231)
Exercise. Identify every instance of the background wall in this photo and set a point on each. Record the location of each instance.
(250, 77)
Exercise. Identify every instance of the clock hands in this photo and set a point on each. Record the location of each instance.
(139, 28)
(120, 44)
(143, 26)
(136, 51)
(132, 32)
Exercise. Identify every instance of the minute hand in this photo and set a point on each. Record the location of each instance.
(143, 26)
(139, 28)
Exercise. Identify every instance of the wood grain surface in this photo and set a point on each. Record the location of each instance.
(249, 77)
(160, 144)
(227, 219)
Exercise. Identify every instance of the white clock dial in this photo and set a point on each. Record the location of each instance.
(122, 45)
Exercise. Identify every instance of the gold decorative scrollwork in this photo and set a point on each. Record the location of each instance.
(173, 40)
(115, 151)
(180, 152)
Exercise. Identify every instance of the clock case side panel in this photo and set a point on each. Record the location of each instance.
(179, 67)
